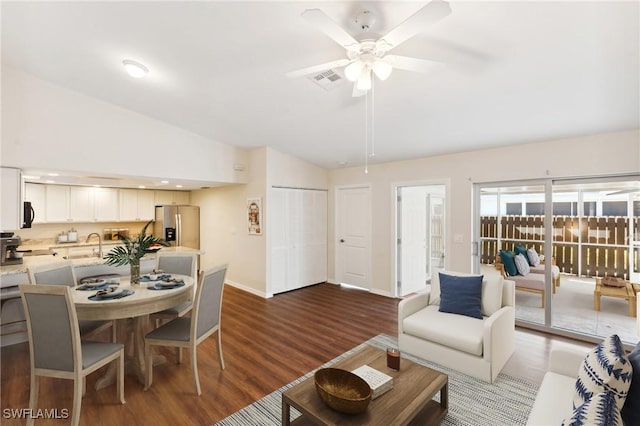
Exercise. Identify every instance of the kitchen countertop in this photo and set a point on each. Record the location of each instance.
(76, 244)
(33, 261)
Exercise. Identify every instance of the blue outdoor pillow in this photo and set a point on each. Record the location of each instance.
(631, 408)
(509, 263)
(461, 295)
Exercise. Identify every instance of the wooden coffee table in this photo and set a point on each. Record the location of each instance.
(410, 402)
(627, 292)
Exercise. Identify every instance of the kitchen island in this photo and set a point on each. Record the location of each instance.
(13, 325)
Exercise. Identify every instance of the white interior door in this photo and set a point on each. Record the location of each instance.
(414, 211)
(353, 236)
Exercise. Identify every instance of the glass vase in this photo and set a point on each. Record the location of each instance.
(135, 271)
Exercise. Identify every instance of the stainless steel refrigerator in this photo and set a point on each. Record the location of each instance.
(178, 225)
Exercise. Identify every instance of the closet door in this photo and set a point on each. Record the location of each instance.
(313, 241)
(279, 240)
(298, 227)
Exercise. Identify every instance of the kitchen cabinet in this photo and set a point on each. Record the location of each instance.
(36, 193)
(172, 197)
(57, 204)
(81, 204)
(11, 218)
(106, 205)
(298, 228)
(136, 205)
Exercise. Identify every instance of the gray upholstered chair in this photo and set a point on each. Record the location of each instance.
(55, 347)
(62, 273)
(177, 263)
(184, 332)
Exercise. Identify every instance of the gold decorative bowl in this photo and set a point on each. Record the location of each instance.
(342, 390)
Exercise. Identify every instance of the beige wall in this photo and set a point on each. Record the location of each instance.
(615, 153)
(224, 231)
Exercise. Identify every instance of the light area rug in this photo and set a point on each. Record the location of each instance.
(472, 402)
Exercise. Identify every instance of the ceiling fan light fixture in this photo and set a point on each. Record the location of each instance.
(135, 69)
(364, 82)
(382, 69)
(354, 70)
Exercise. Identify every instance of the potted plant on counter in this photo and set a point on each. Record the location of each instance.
(132, 250)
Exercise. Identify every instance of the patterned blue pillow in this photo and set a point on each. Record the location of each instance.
(606, 368)
(600, 410)
(631, 410)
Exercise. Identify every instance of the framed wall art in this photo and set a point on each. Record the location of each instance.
(254, 215)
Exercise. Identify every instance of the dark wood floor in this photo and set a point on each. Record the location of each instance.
(266, 344)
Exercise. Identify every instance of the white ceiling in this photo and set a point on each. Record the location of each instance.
(514, 72)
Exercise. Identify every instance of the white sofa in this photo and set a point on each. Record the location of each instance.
(477, 347)
(554, 401)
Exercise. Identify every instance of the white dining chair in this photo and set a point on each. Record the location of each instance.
(55, 348)
(62, 273)
(184, 332)
(177, 263)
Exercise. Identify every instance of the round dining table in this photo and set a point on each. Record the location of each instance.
(131, 314)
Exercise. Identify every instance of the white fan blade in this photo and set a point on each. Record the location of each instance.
(357, 92)
(410, 64)
(430, 14)
(318, 68)
(329, 27)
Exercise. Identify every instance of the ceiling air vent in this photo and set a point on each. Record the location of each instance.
(328, 79)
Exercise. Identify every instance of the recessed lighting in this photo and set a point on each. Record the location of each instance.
(135, 69)
(141, 186)
(50, 181)
(164, 181)
(178, 186)
(53, 174)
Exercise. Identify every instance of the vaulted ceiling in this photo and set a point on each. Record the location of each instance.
(512, 72)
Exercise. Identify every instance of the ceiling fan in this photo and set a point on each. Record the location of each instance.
(367, 51)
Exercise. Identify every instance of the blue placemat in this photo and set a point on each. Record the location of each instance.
(112, 296)
(146, 279)
(166, 286)
(92, 287)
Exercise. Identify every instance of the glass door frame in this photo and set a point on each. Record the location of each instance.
(548, 184)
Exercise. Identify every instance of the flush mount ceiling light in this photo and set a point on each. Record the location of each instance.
(135, 69)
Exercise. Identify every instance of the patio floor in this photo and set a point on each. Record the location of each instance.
(572, 309)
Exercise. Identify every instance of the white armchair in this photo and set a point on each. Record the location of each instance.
(477, 347)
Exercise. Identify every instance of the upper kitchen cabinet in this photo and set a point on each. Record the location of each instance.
(81, 204)
(137, 205)
(11, 218)
(172, 197)
(56, 204)
(63, 204)
(105, 204)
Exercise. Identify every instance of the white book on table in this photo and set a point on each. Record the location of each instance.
(378, 381)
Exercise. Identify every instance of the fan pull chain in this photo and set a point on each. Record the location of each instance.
(366, 133)
(373, 127)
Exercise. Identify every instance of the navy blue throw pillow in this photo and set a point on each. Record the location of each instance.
(631, 408)
(461, 295)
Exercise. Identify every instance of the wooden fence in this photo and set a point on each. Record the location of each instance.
(599, 245)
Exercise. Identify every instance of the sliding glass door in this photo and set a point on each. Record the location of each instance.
(587, 233)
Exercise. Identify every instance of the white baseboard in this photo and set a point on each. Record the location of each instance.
(249, 289)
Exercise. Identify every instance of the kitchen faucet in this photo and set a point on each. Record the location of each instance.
(99, 242)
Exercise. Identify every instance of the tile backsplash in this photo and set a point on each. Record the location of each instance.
(47, 232)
